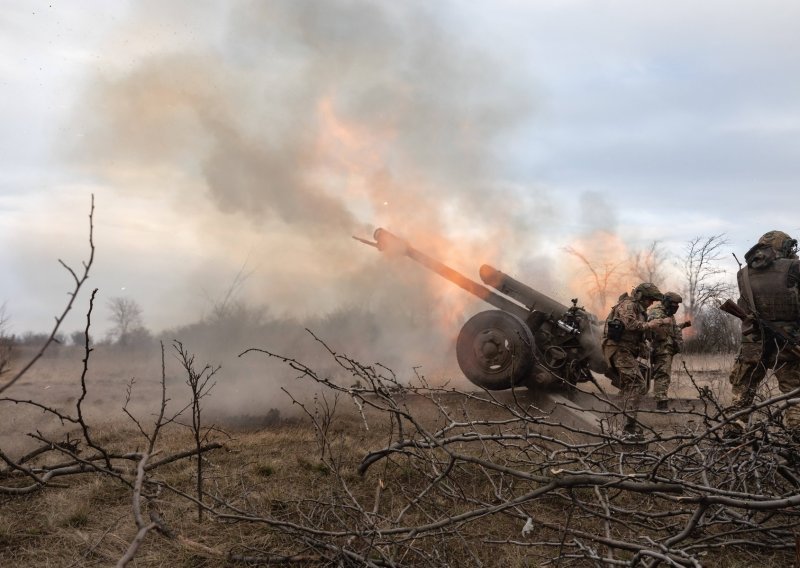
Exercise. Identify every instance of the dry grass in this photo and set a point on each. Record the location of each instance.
(706, 370)
(277, 470)
(89, 522)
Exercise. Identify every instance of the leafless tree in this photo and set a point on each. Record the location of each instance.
(78, 337)
(605, 278)
(228, 306)
(79, 279)
(706, 282)
(717, 332)
(6, 342)
(608, 277)
(3, 318)
(200, 383)
(647, 265)
(126, 315)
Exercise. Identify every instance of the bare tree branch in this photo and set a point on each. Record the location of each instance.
(79, 281)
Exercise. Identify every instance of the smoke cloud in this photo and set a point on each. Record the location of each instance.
(282, 128)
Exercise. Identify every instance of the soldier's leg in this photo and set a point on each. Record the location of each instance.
(633, 385)
(788, 375)
(747, 374)
(662, 371)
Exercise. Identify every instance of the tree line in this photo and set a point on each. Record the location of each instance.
(696, 274)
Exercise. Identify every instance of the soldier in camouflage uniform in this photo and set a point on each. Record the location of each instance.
(667, 341)
(624, 343)
(769, 287)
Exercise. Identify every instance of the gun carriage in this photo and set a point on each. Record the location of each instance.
(529, 340)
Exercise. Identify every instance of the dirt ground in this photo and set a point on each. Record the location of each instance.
(250, 395)
(269, 451)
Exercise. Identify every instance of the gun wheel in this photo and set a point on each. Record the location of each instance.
(495, 350)
(554, 357)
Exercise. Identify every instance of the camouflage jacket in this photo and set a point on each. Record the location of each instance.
(667, 339)
(633, 317)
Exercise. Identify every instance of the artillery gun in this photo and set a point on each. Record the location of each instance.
(530, 340)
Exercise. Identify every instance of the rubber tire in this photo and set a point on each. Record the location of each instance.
(495, 350)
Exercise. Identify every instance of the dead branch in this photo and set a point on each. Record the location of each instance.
(143, 527)
(670, 500)
(200, 384)
(79, 280)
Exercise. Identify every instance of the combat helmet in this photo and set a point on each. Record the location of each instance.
(784, 245)
(670, 302)
(647, 291)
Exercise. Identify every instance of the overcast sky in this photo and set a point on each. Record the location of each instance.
(222, 135)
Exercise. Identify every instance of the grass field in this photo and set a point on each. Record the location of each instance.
(286, 470)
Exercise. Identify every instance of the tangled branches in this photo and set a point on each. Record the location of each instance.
(54, 458)
(482, 474)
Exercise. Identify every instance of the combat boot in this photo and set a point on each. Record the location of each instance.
(791, 450)
(733, 431)
(632, 431)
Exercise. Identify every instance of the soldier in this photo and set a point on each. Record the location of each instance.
(768, 286)
(624, 343)
(666, 343)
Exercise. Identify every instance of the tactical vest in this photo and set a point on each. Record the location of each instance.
(628, 338)
(774, 301)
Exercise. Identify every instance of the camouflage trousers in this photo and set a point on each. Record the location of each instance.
(752, 364)
(661, 365)
(632, 384)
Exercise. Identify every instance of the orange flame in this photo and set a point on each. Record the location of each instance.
(354, 161)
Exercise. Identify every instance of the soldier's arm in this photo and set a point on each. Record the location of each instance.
(677, 334)
(627, 314)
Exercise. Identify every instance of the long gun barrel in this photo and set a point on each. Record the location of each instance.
(388, 242)
(530, 339)
(523, 293)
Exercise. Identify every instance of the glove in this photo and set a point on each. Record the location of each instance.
(685, 324)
